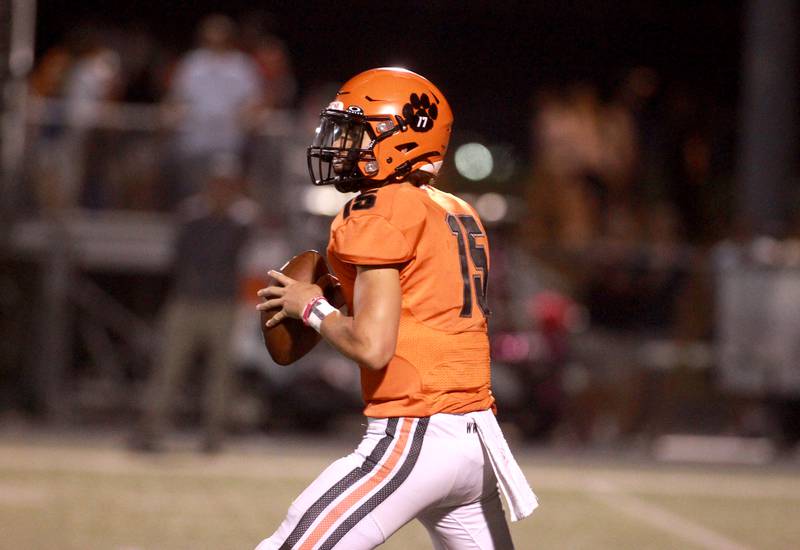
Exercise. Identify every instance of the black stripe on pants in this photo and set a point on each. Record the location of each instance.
(341, 486)
(385, 491)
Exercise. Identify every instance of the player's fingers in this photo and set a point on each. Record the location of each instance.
(270, 304)
(272, 291)
(277, 318)
(280, 277)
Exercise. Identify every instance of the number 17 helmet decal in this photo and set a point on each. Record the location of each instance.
(383, 125)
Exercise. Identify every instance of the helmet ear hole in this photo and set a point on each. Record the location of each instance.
(406, 147)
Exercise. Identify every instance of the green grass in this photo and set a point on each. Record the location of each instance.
(76, 494)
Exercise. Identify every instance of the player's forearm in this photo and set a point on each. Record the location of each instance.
(357, 342)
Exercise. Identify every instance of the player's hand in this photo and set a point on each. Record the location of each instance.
(289, 295)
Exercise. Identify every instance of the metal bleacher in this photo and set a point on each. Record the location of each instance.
(69, 243)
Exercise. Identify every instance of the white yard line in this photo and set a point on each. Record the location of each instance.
(675, 525)
(743, 485)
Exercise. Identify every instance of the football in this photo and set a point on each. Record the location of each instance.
(290, 339)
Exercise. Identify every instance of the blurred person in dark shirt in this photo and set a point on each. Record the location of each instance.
(634, 283)
(214, 228)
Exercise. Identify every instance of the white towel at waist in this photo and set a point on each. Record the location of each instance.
(518, 494)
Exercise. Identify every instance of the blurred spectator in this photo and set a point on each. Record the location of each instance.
(581, 190)
(698, 152)
(94, 80)
(586, 162)
(564, 198)
(47, 78)
(47, 82)
(635, 285)
(637, 92)
(272, 59)
(199, 313)
(85, 73)
(215, 92)
(143, 60)
(619, 150)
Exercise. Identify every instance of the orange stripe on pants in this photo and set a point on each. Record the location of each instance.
(370, 483)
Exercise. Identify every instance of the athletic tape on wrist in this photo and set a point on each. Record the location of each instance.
(315, 311)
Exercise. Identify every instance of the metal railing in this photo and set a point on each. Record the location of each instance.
(104, 155)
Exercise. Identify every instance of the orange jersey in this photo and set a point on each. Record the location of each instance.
(441, 363)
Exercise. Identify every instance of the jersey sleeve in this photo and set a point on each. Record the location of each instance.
(387, 233)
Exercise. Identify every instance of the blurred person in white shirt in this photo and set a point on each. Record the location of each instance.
(214, 94)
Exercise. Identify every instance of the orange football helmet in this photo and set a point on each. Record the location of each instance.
(383, 125)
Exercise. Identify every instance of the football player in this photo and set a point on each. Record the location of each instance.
(414, 266)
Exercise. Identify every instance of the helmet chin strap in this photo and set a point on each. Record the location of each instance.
(400, 173)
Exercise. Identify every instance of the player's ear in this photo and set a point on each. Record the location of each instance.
(419, 178)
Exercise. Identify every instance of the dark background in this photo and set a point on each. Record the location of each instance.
(487, 57)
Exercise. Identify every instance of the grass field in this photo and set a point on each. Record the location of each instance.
(87, 493)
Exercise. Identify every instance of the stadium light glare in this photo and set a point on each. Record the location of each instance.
(474, 161)
(492, 207)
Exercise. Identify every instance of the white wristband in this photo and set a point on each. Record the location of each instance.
(316, 310)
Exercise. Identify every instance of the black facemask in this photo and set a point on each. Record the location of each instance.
(342, 141)
(337, 149)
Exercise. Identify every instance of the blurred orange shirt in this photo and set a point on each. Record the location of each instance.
(441, 363)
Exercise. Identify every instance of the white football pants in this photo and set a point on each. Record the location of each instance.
(433, 469)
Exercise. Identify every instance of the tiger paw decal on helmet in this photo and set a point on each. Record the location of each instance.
(419, 113)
